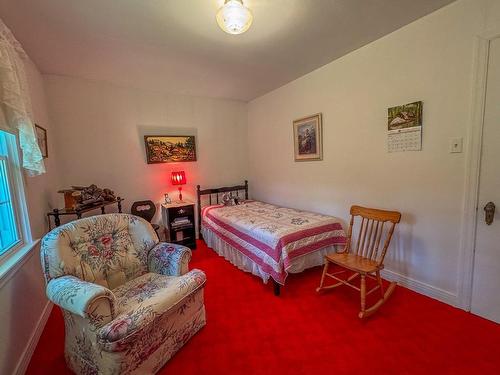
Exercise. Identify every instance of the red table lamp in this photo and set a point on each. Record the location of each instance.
(179, 178)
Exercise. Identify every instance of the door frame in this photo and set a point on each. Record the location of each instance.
(473, 167)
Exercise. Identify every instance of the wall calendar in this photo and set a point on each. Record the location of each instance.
(404, 128)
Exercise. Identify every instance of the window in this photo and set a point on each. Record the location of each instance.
(11, 234)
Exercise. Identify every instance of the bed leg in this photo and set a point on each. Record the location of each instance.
(276, 288)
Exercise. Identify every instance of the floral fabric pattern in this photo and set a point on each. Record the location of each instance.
(82, 298)
(129, 302)
(169, 259)
(265, 222)
(141, 301)
(272, 237)
(106, 249)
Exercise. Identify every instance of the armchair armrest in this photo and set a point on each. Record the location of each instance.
(169, 259)
(88, 300)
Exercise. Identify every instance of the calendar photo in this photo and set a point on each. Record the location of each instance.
(404, 116)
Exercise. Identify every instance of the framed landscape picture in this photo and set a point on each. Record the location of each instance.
(41, 137)
(170, 148)
(307, 136)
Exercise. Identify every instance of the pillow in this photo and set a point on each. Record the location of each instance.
(228, 200)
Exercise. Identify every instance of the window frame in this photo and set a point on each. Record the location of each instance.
(10, 205)
(15, 182)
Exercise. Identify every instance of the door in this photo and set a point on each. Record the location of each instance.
(486, 280)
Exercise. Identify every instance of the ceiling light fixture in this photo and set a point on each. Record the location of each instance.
(234, 17)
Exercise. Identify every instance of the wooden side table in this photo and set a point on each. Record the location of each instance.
(57, 213)
(178, 220)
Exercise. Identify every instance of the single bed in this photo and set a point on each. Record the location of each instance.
(266, 240)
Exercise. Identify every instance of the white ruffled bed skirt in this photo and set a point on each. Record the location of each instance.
(246, 264)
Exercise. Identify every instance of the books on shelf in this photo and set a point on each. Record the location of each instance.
(180, 222)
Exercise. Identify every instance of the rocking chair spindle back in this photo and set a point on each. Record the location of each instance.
(365, 256)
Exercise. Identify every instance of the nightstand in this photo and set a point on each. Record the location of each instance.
(178, 220)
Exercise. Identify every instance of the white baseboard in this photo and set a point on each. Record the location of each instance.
(421, 287)
(24, 361)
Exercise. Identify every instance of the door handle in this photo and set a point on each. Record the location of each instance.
(489, 212)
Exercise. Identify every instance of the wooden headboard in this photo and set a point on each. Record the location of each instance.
(215, 193)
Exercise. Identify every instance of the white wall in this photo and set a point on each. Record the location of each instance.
(100, 138)
(22, 292)
(428, 60)
(492, 14)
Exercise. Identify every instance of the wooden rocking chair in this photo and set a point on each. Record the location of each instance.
(364, 258)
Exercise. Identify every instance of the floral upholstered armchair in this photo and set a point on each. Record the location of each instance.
(129, 302)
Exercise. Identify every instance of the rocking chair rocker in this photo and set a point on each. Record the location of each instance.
(364, 258)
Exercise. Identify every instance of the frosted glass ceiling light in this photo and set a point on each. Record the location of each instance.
(234, 17)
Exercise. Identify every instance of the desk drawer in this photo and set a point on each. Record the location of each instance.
(180, 211)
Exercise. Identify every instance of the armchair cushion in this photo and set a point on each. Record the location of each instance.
(140, 302)
(169, 259)
(88, 300)
(105, 249)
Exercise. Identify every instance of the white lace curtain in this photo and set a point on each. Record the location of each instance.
(15, 103)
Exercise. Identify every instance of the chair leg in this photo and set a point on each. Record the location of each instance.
(380, 302)
(379, 279)
(363, 295)
(325, 270)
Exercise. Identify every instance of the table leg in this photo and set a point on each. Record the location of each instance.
(57, 220)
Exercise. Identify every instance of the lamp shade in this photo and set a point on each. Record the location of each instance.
(234, 17)
(178, 178)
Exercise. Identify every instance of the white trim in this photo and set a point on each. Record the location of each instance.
(16, 184)
(473, 167)
(421, 287)
(28, 351)
(491, 33)
(14, 260)
(475, 135)
(20, 205)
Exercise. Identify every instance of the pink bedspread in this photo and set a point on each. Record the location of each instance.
(270, 235)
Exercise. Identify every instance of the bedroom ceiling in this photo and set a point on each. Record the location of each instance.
(176, 45)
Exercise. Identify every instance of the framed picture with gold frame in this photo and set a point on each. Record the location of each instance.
(308, 138)
(170, 148)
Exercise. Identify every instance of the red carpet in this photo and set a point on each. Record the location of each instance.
(249, 331)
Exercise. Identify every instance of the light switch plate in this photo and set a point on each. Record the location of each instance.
(456, 145)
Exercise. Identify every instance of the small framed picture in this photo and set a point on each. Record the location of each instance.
(41, 137)
(307, 135)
